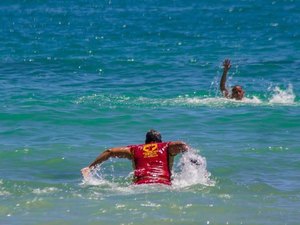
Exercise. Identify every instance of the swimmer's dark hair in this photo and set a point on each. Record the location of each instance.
(153, 136)
(233, 88)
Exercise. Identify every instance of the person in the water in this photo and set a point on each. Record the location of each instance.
(152, 161)
(237, 91)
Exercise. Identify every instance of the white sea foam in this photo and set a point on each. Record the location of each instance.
(253, 100)
(194, 101)
(151, 204)
(3, 192)
(212, 101)
(47, 190)
(283, 96)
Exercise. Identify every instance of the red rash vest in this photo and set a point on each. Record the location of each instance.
(151, 163)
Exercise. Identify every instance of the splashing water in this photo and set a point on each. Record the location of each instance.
(279, 96)
(95, 178)
(283, 96)
(193, 171)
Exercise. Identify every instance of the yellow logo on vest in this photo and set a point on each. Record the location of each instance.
(150, 150)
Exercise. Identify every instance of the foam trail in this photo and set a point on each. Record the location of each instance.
(283, 96)
(193, 171)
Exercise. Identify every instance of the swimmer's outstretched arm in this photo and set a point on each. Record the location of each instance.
(119, 152)
(226, 65)
(176, 147)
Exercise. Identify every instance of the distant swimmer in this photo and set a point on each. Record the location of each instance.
(237, 92)
(152, 162)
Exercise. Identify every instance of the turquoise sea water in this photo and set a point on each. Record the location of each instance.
(77, 77)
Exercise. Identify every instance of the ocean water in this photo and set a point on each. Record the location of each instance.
(77, 77)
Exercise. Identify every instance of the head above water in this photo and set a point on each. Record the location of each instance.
(237, 92)
(153, 136)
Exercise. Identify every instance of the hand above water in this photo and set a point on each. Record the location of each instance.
(226, 64)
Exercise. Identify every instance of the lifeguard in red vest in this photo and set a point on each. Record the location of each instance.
(152, 161)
